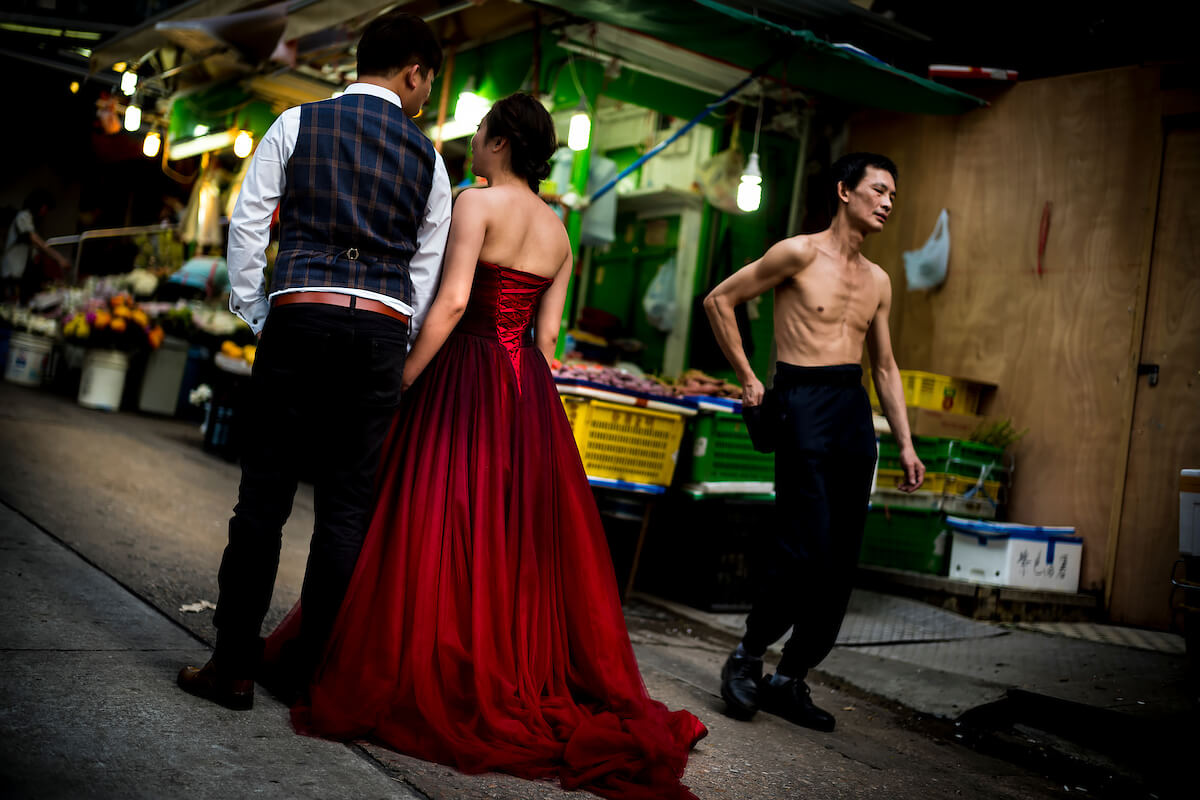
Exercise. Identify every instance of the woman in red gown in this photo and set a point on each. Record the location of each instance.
(482, 628)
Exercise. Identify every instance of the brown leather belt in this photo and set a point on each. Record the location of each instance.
(339, 299)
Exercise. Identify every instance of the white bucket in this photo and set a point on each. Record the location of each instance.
(27, 356)
(103, 379)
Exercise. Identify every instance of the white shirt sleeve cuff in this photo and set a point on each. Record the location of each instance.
(253, 314)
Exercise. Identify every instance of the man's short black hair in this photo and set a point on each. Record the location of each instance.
(850, 168)
(397, 40)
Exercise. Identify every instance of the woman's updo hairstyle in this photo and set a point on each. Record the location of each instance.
(527, 126)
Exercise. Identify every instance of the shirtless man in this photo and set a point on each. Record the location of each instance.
(828, 300)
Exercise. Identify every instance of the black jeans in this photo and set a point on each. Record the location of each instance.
(325, 388)
(823, 468)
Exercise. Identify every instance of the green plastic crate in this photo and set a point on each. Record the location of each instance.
(721, 451)
(906, 538)
(953, 456)
(932, 448)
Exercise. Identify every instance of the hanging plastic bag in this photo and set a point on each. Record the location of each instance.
(926, 267)
(660, 303)
(719, 178)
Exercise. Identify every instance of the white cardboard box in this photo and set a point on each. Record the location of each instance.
(1008, 554)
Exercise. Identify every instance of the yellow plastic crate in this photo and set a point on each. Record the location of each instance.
(934, 392)
(625, 443)
(940, 483)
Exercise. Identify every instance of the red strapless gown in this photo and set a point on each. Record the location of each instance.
(482, 628)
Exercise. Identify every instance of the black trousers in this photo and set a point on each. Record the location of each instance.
(324, 390)
(824, 462)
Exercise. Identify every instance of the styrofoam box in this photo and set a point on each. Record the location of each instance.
(1189, 512)
(1008, 554)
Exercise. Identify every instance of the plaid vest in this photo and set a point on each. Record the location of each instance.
(358, 184)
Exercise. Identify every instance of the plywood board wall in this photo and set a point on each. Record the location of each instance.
(1056, 344)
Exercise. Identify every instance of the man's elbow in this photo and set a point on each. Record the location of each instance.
(712, 305)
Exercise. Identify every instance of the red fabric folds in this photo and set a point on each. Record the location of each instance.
(482, 628)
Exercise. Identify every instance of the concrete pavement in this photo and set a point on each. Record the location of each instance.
(99, 634)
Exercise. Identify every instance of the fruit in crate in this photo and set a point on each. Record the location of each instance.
(117, 325)
(231, 349)
(248, 353)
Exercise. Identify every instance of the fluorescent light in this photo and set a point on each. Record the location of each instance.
(453, 128)
(200, 130)
(579, 134)
(652, 56)
(129, 81)
(471, 108)
(38, 30)
(201, 144)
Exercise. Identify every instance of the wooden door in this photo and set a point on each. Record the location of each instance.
(1165, 434)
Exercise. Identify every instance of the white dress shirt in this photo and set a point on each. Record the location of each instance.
(250, 227)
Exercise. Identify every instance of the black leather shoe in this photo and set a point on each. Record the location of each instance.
(740, 678)
(208, 682)
(793, 702)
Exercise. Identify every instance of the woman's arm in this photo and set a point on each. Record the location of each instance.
(549, 315)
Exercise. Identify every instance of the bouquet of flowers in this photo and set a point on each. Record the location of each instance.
(115, 323)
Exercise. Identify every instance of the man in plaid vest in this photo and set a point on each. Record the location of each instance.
(364, 210)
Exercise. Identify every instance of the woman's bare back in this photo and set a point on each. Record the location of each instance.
(522, 232)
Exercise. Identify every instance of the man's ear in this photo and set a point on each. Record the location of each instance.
(842, 192)
(412, 76)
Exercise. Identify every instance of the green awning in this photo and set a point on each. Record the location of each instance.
(808, 62)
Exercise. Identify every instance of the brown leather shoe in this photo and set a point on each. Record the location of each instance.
(209, 683)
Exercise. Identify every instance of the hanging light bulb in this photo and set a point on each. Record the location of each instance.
(243, 144)
(119, 67)
(579, 134)
(74, 87)
(749, 193)
(199, 130)
(133, 116)
(151, 144)
(129, 82)
(471, 108)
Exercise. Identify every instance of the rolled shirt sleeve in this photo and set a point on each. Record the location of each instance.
(250, 225)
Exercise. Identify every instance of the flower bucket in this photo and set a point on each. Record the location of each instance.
(103, 379)
(27, 357)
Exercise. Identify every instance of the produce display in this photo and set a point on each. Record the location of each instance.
(695, 382)
(691, 383)
(610, 376)
(232, 349)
